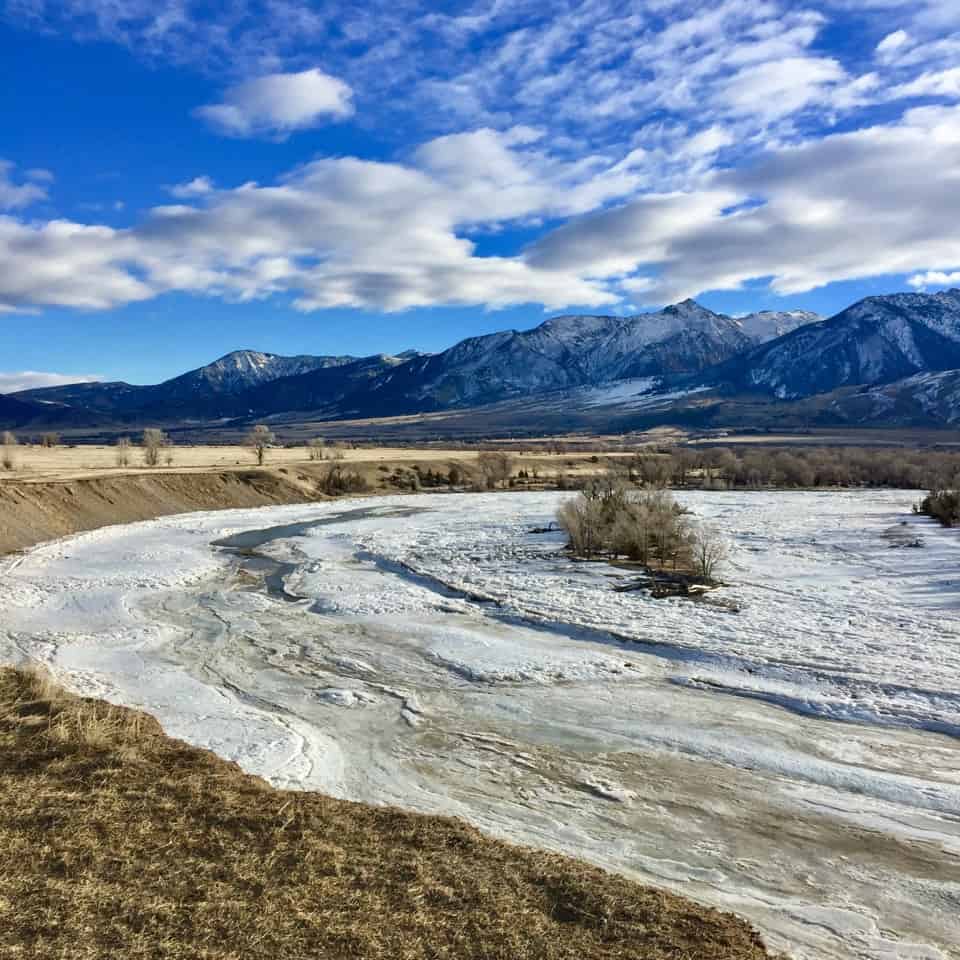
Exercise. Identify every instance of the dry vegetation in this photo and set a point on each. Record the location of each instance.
(611, 519)
(942, 505)
(116, 841)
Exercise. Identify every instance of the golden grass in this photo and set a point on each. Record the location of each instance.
(117, 841)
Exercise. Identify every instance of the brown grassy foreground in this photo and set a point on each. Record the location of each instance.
(117, 841)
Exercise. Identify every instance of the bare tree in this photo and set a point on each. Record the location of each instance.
(123, 452)
(315, 449)
(496, 467)
(259, 439)
(8, 458)
(154, 441)
(708, 549)
(582, 519)
(50, 440)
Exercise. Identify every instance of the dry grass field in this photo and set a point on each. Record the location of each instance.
(37, 463)
(116, 841)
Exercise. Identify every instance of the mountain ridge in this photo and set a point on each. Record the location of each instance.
(683, 360)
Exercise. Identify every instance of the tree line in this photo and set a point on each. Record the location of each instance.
(794, 467)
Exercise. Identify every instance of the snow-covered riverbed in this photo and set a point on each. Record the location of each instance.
(797, 761)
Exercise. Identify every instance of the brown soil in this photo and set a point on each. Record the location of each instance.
(117, 841)
(31, 512)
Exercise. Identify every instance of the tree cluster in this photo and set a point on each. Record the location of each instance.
(649, 526)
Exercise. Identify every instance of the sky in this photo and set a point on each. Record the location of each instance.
(179, 179)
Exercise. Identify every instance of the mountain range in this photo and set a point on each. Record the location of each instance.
(884, 360)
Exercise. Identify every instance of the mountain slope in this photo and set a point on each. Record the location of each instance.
(15, 413)
(331, 389)
(241, 370)
(89, 396)
(561, 353)
(919, 400)
(207, 392)
(877, 340)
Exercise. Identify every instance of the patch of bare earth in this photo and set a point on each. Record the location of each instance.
(117, 841)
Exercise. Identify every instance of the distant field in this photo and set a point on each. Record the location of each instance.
(35, 463)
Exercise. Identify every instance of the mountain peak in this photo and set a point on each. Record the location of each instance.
(687, 307)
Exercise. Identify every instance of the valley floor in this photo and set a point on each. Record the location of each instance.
(797, 762)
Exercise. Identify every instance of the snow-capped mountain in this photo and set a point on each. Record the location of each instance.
(684, 361)
(243, 369)
(207, 392)
(334, 390)
(767, 325)
(563, 352)
(877, 340)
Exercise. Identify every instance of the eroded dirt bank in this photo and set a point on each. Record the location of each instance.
(32, 512)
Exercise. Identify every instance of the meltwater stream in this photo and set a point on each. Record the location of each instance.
(797, 761)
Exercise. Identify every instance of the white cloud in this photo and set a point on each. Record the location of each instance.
(778, 88)
(557, 100)
(935, 278)
(12, 382)
(14, 195)
(66, 264)
(883, 200)
(707, 141)
(892, 42)
(278, 104)
(196, 187)
(335, 232)
(342, 232)
(941, 83)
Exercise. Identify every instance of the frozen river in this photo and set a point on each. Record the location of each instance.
(797, 761)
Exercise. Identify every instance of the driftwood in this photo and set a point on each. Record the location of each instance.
(665, 584)
(662, 585)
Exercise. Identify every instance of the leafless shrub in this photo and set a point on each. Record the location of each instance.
(316, 449)
(50, 440)
(495, 466)
(259, 439)
(153, 442)
(338, 481)
(708, 550)
(123, 452)
(8, 450)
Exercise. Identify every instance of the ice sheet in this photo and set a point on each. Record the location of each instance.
(797, 761)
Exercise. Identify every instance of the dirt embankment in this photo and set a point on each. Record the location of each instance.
(33, 512)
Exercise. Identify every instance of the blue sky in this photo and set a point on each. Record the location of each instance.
(180, 179)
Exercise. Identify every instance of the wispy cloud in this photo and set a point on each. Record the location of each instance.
(12, 382)
(197, 187)
(14, 195)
